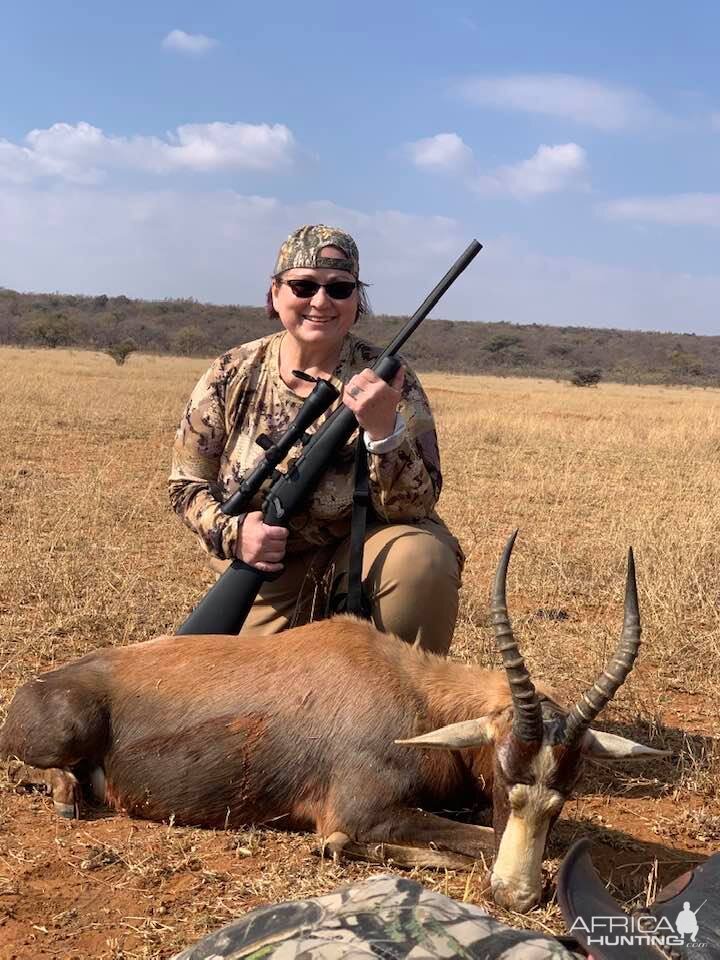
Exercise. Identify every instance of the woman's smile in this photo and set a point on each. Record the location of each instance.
(317, 320)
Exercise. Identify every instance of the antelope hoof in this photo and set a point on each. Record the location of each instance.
(334, 844)
(69, 811)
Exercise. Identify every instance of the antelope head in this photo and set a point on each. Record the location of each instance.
(539, 747)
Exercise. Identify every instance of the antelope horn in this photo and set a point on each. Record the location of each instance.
(616, 672)
(527, 720)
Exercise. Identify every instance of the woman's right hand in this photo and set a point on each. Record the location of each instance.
(261, 545)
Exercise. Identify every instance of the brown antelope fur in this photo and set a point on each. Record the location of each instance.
(296, 731)
(300, 731)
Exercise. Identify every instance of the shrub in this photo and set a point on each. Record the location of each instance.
(586, 378)
(559, 350)
(121, 350)
(686, 364)
(189, 341)
(55, 330)
(501, 341)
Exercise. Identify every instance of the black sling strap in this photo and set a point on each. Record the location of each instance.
(357, 601)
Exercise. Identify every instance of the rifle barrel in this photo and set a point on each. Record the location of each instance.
(465, 258)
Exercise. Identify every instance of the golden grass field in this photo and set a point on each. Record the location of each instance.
(92, 556)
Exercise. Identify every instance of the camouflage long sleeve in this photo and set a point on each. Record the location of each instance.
(405, 483)
(194, 487)
(242, 397)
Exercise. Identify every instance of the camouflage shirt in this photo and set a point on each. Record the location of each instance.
(385, 917)
(243, 396)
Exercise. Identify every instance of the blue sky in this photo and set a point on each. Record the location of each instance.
(166, 149)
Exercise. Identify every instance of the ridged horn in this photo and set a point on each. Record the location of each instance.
(527, 721)
(616, 672)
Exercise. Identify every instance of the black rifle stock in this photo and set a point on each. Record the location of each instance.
(227, 603)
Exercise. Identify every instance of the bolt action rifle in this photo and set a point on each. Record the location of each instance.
(226, 605)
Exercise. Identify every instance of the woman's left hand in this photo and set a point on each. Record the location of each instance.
(374, 402)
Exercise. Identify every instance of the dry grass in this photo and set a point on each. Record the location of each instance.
(93, 556)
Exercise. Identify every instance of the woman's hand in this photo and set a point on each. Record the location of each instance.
(374, 402)
(261, 545)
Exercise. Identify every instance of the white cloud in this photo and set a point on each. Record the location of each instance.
(445, 152)
(216, 246)
(194, 43)
(220, 246)
(676, 209)
(567, 97)
(82, 152)
(213, 146)
(549, 170)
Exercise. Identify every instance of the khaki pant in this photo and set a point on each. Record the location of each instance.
(411, 575)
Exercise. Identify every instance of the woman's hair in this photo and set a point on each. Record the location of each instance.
(363, 309)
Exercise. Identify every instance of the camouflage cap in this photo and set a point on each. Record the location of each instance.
(302, 249)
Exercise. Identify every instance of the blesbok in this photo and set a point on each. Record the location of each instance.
(324, 727)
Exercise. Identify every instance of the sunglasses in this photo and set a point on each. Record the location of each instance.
(336, 289)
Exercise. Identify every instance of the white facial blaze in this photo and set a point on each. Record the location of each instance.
(516, 877)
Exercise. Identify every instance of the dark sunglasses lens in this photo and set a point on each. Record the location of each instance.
(340, 289)
(304, 288)
(337, 289)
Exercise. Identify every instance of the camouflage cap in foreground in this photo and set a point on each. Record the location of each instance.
(389, 917)
(302, 249)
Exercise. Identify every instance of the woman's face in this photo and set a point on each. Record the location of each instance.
(318, 320)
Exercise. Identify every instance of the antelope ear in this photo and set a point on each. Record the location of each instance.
(608, 746)
(456, 736)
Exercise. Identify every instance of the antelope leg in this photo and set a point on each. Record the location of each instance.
(59, 784)
(415, 828)
(400, 855)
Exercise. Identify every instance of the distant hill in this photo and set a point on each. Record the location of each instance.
(189, 328)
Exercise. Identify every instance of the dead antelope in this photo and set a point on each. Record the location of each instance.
(323, 728)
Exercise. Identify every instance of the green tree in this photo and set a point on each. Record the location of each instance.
(50, 330)
(685, 364)
(121, 350)
(189, 341)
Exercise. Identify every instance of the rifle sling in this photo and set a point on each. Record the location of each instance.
(357, 601)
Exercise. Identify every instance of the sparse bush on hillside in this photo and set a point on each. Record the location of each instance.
(501, 341)
(149, 336)
(686, 364)
(189, 328)
(586, 378)
(189, 341)
(49, 330)
(559, 350)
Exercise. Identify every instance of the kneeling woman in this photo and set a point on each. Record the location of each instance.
(412, 563)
